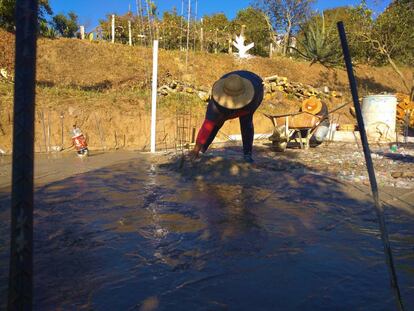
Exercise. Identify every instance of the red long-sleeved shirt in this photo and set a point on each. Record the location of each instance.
(208, 126)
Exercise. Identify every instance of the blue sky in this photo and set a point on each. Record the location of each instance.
(90, 11)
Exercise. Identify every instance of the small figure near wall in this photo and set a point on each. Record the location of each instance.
(79, 141)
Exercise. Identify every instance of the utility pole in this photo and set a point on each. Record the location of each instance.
(149, 20)
(201, 36)
(195, 24)
(181, 25)
(188, 32)
(138, 5)
(141, 20)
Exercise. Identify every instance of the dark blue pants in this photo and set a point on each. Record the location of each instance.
(247, 131)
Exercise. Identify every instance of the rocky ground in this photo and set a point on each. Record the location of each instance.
(393, 164)
(347, 162)
(340, 163)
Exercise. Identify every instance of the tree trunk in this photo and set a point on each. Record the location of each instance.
(149, 22)
(287, 39)
(394, 66)
(201, 37)
(271, 30)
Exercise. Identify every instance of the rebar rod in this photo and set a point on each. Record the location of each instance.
(370, 167)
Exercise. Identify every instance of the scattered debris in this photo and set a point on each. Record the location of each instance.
(346, 162)
(3, 73)
(56, 148)
(342, 161)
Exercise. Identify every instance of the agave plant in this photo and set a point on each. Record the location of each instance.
(46, 30)
(319, 44)
(50, 33)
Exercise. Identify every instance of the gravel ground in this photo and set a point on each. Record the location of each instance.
(347, 162)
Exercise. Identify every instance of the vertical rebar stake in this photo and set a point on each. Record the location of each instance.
(20, 294)
(370, 167)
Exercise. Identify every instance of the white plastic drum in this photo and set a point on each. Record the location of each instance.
(379, 114)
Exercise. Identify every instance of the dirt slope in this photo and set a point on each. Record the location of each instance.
(104, 88)
(81, 63)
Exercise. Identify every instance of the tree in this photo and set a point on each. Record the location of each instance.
(316, 44)
(170, 29)
(355, 19)
(257, 29)
(286, 15)
(66, 26)
(318, 39)
(391, 36)
(216, 32)
(7, 8)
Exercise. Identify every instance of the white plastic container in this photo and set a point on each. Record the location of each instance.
(379, 114)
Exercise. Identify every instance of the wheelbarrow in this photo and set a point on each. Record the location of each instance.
(299, 127)
(311, 122)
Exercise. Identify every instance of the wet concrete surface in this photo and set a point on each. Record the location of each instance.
(127, 231)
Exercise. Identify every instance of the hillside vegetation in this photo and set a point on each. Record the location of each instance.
(104, 88)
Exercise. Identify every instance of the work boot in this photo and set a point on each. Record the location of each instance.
(248, 158)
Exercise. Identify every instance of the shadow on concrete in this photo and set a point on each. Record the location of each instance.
(216, 234)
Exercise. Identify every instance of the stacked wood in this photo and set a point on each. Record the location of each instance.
(300, 91)
(405, 107)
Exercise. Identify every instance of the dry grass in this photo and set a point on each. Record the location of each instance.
(6, 50)
(101, 66)
(92, 82)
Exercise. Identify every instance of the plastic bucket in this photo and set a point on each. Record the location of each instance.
(379, 115)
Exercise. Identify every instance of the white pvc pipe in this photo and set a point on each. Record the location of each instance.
(82, 32)
(154, 95)
(129, 33)
(113, 28)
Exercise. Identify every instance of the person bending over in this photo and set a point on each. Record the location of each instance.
(237, 94)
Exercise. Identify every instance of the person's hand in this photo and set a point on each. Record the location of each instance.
(195, 153)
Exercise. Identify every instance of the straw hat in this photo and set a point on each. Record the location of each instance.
(233, 92)
(312, 105)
